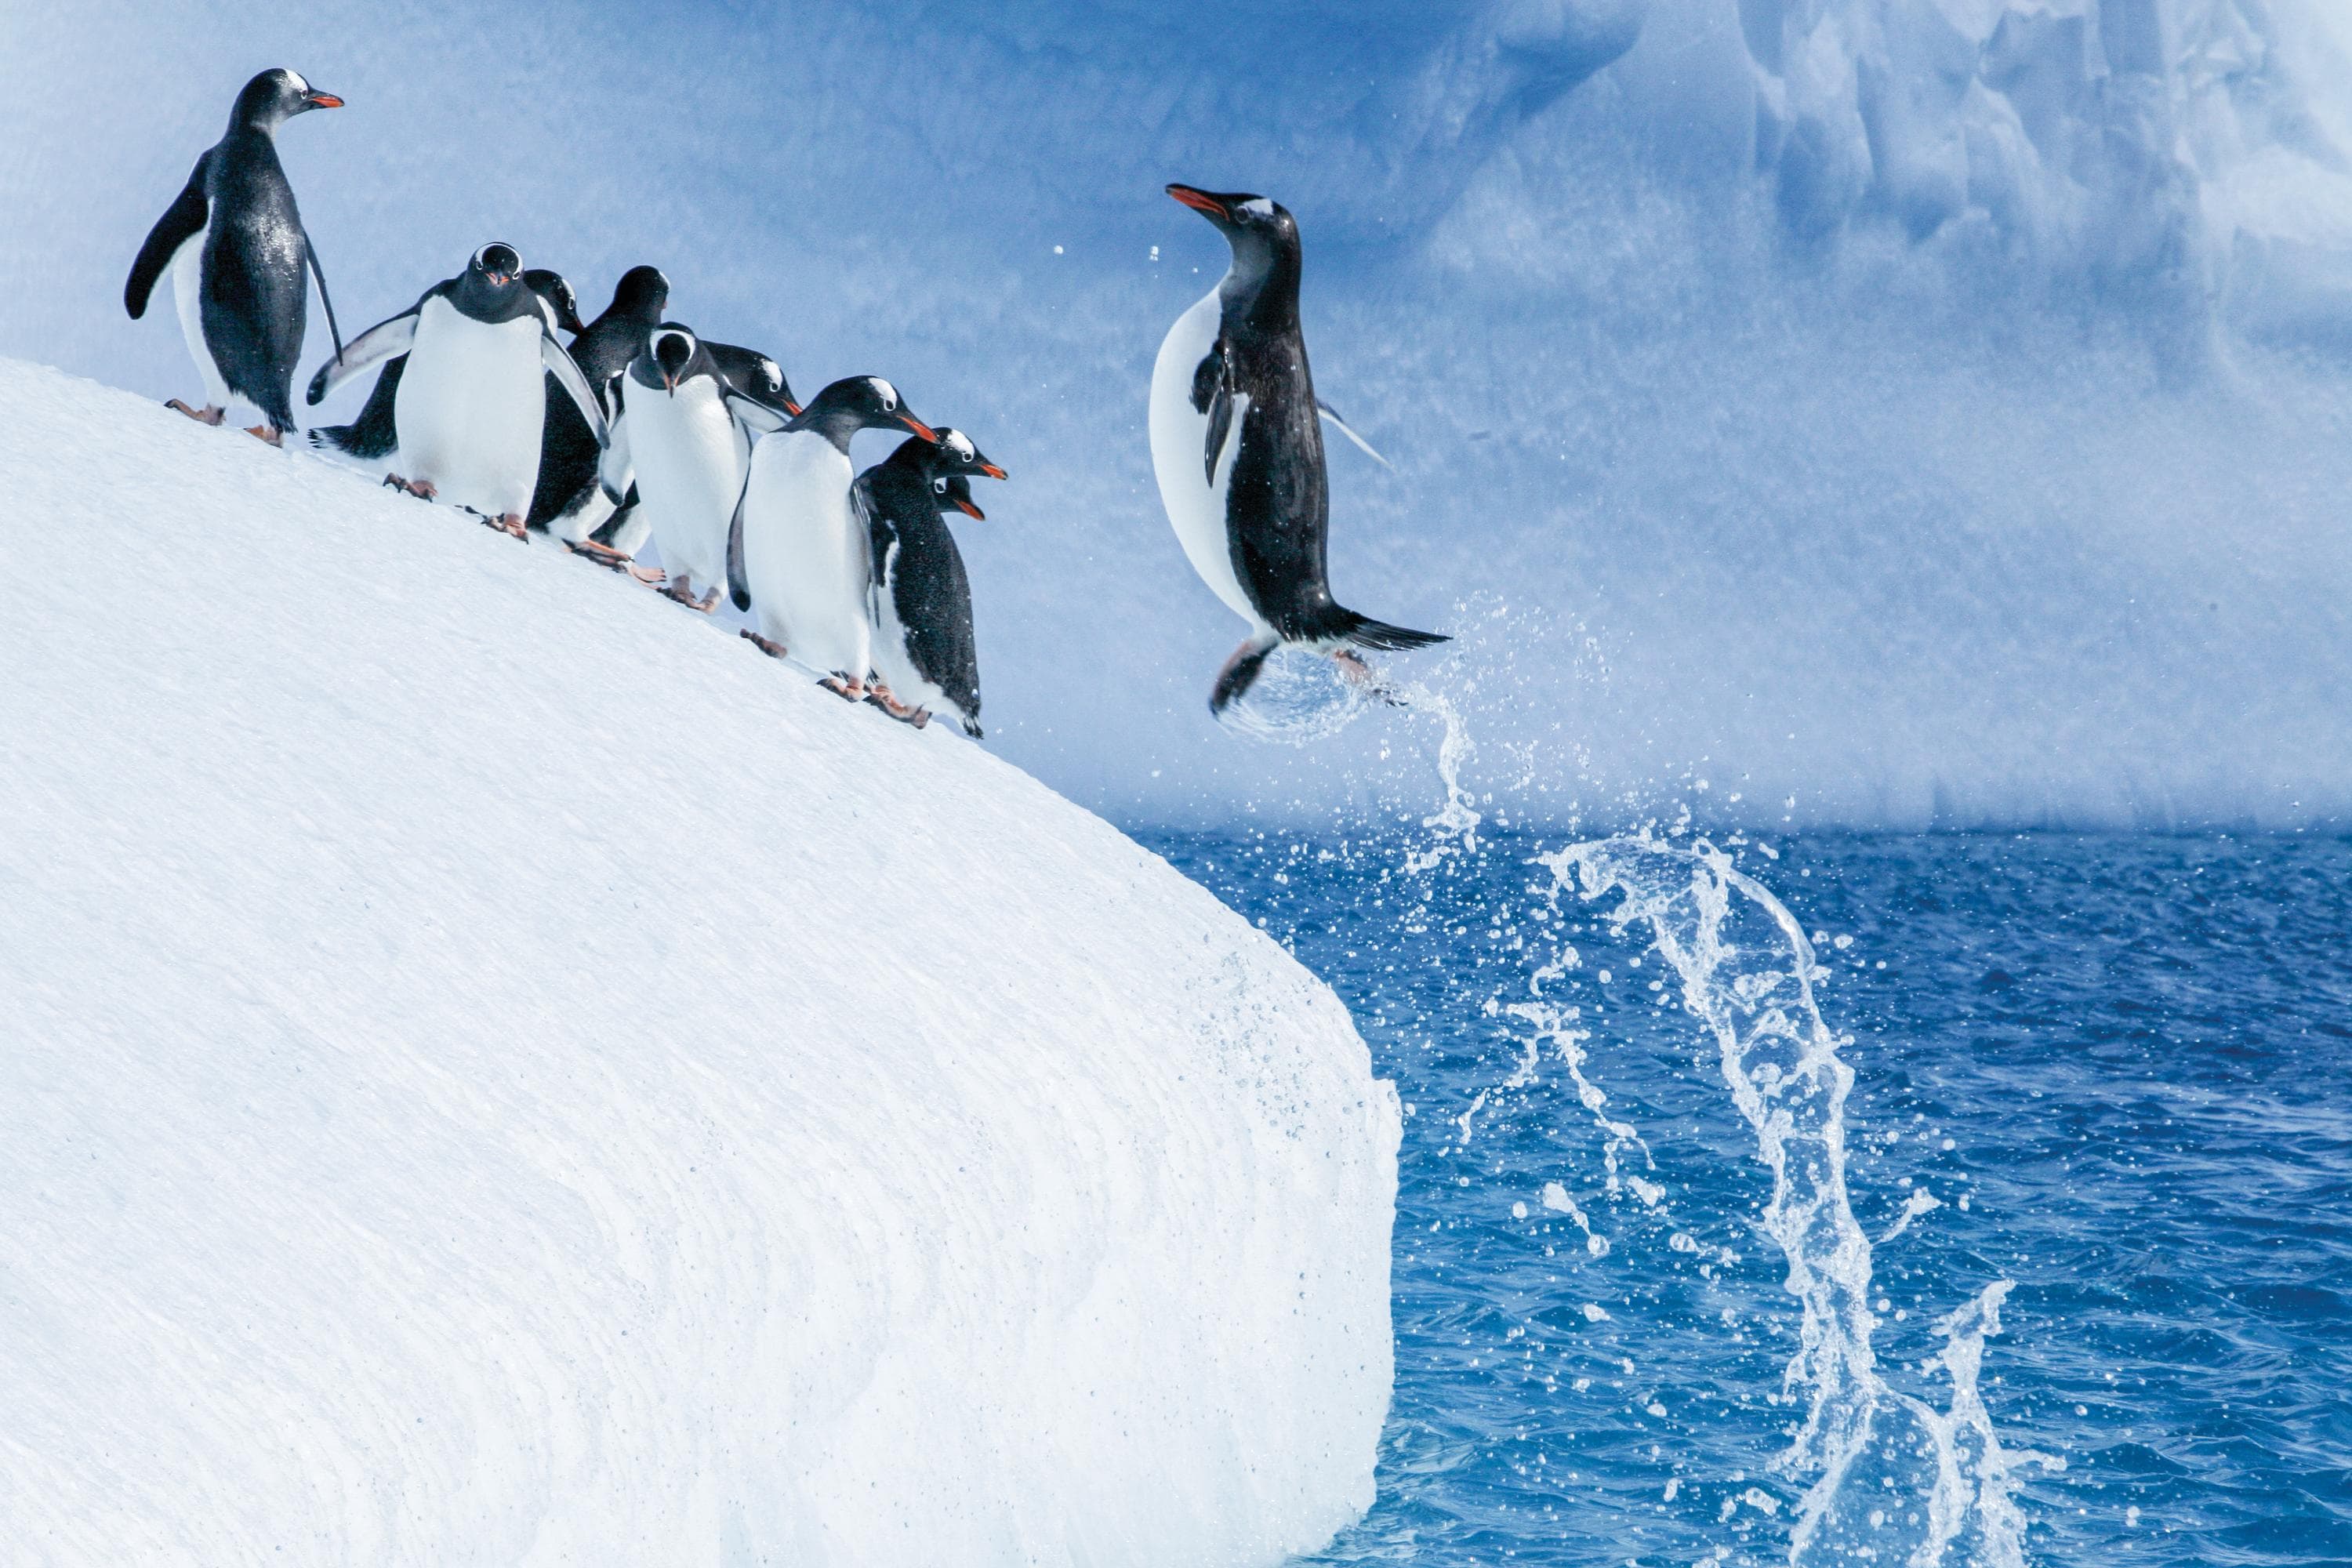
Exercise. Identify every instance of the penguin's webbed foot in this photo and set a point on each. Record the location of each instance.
(421, 489)
(268, 432)
(768, 645)
(843, 686)
(607, 558)
(505, 522)
(1361, 675)
(682, 591)
(212, 413)
(882, 697)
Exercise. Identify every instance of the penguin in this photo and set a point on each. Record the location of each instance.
(237, 251)
(797, 554)
(371, 437)
(471, 406)
(1239, 453)
(675, 432)
(920, 600)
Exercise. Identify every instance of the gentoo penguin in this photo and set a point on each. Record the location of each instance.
(1239, 453)
(471, 406)
(920, 599)
(798, 555)
(234, 243)
(371, 438)
(677, 434)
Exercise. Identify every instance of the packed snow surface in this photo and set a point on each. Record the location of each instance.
(498, 1072)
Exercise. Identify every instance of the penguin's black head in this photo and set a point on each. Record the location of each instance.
(955, 453)
(551, 286)
(859, 402)
(642, 291)
(276, 96)
(672, 347)
(496, 264)
(955, 491)
(1242, 218)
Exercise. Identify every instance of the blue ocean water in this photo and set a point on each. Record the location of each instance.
(2111, 1071)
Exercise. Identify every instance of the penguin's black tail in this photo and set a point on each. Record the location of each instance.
(1345, 625)
(351, 440)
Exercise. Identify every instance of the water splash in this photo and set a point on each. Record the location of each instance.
(1300, 697)
(1891, 1477)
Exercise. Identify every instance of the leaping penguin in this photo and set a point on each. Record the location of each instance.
(797, 554)
(920, 598)
(675, 432)
(1239, 453)
(471, 407)
(237, 251)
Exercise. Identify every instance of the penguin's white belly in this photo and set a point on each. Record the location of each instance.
(1180, 439)
(689, 475)
(471, 407)
(805, 552)
(187, 293)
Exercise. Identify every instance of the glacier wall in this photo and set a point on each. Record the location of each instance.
(1890, 412)
(497, 1072)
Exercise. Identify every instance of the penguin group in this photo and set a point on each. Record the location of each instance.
(639, 427)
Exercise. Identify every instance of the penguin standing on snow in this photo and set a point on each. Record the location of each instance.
(372, 437)
(676, 433)
(798, 555)
(922, 599)
(235, 245)
(1239, 453)
(471, 410)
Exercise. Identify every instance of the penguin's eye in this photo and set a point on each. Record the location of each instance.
(941, 486)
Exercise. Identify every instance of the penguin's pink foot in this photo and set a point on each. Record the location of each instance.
(882, 697)
(210, 414)
(768, 645)
(506, 522)
(265, 433)
(683, 592)
(841, 686)
(651, 576)
(1359, 674)
(603, 555)
(421, 489)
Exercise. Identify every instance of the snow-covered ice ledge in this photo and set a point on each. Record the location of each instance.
(497, 1072)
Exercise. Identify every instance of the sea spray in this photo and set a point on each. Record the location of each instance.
(1889, 1479)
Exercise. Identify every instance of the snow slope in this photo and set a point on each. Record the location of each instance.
(497, 1072)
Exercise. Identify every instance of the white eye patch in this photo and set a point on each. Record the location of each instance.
(885, 391)
(958, 442)
(1258, 207)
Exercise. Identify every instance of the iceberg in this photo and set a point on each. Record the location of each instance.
(498, 1072)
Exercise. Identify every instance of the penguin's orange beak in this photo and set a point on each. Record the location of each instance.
(1199, 201)
(793, 406)
(323, 101)
(992, 470)
(918, 427)
(969, 510)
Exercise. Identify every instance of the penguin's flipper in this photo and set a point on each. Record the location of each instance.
(181, 222)
(560, 364)
(378, 343)
(755, 414)
(310, 255)
(739, 584)
(1221, 425)
(614, 471)
(881, 541)
(1212, 394)
(1349, 430)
